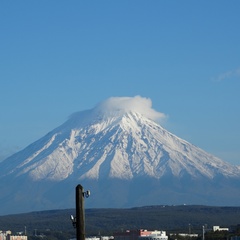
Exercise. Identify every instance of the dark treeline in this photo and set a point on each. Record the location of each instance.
(107, 221)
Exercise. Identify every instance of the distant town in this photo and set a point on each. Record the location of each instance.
(216, 233)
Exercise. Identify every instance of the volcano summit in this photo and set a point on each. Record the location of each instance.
(120, 152)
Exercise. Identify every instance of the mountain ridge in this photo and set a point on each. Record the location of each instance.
(133, 136)
(116, 149)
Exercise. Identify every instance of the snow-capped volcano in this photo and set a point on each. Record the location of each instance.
(117, 146)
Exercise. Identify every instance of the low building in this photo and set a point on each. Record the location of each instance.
(100, 238)
(154, 235)
(7, 235)
(18, 237)
(217, 228)
(141, 235)
(4, 234)
(190, 235)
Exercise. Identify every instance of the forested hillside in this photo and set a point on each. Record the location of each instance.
(108, 221)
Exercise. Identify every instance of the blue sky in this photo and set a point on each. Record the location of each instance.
(58, 57)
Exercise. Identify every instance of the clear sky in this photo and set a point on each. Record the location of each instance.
(58, 57)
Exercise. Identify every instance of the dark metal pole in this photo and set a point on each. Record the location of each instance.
(80, 219)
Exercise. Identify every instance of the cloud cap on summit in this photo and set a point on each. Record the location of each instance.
(137, 103)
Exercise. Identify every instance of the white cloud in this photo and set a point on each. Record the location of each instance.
(228, 75)
(138, 104)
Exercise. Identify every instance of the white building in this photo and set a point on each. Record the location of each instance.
(4, 234)
(19, 237)
(7, 235)
(153, 235)
(100, 238)
(141, 235)
(217, 228)
(191, 235)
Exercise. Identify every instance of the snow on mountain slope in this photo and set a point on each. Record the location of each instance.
(116, 146)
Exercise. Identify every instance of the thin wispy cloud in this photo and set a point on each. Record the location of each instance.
(232, 74)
